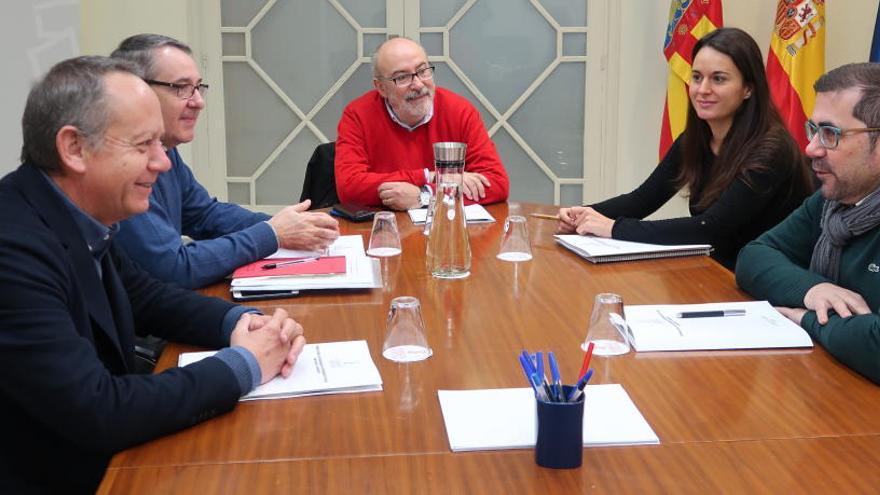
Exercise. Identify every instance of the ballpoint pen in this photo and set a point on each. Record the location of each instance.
(711, 314)
(539, 365)
(579, 388)
(544, 216)
(587, 357)
(269, 266)
(532, 377)
(557, 378)
(539, 362)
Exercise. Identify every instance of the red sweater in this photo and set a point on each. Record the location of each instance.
(372, 149)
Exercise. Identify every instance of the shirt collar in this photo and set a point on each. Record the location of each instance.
(96, 234)
(425, 120)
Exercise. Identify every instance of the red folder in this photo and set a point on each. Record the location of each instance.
(326, 265)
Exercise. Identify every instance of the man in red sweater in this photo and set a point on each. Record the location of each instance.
(384, 148)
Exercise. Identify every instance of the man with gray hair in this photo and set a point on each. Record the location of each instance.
(73, 301)
(821, 265)
(224, 235)
(384, 148)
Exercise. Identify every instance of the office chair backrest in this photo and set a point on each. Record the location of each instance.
(319, 184)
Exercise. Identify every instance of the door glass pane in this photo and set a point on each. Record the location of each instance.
(256, 119)
(444, 77)
(436, 13)
(367, 13)
(281, 183)
(527, 182)
(284, 45)
(359, 83)
(238, 13)
(568, 13)
(557, 106)
(502, 45)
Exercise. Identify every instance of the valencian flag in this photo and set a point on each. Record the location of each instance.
(795, 60)
(689, 20)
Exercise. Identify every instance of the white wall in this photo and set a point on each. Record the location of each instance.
(34, 34)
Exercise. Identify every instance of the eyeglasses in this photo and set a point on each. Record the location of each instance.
(404, 80)
(184, 91)
(829, 136)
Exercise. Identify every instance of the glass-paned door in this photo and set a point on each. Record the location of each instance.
(290, 67)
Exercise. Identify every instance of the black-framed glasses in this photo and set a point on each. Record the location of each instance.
(829, 136)
(184, 91)
(404, 80)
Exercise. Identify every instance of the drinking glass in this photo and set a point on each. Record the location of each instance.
(609, 335)
(384, 238)
(405, 332)
(607, 330)
(515, 244)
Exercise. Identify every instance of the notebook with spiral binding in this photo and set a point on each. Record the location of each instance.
(602, 250)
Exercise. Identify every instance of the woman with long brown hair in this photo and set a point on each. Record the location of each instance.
(743, 171)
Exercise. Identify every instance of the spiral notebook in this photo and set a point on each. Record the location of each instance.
(602, 250)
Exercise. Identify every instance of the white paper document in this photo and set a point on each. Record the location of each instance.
(474, 213)
(602, 250)
(328, 368)
(344, 245)
(660, 328)
(506, 418)
(361, 271)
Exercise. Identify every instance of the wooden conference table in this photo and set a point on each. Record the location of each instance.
(732, 421)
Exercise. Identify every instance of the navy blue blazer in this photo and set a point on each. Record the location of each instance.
(67, 399)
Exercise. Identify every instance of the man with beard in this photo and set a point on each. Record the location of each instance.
(384, 148)
(821, 265)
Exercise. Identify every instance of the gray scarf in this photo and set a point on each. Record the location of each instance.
(840, 223)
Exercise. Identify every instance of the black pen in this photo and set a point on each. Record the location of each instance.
(269, 266)
(711, 314)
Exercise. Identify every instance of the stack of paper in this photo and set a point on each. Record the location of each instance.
(664, 327)
(330, 368)
(601, 250)
(506, 418)
(474, 213)
(359, 272)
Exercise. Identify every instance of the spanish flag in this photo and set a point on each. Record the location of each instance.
(796, 59)
(689, 20)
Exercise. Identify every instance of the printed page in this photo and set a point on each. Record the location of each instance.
(661, 328)
(327, 368)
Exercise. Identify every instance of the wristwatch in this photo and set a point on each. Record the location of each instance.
(425, 196)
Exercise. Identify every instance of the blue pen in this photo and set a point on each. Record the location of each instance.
(539, 360)
(557, 378)
(531, 376)
(526, 360)
(526, 366)
(539, 364)
(579, 389)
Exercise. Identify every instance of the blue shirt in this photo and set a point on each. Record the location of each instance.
(225, 236)
(98, 238)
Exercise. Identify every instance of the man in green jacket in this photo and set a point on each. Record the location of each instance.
(821, 265)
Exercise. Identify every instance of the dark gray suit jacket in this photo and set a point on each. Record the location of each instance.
(67, 398)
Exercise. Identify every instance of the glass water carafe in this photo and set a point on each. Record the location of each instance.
(449, 252)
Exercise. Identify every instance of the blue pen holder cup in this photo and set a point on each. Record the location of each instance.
(560, 443)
